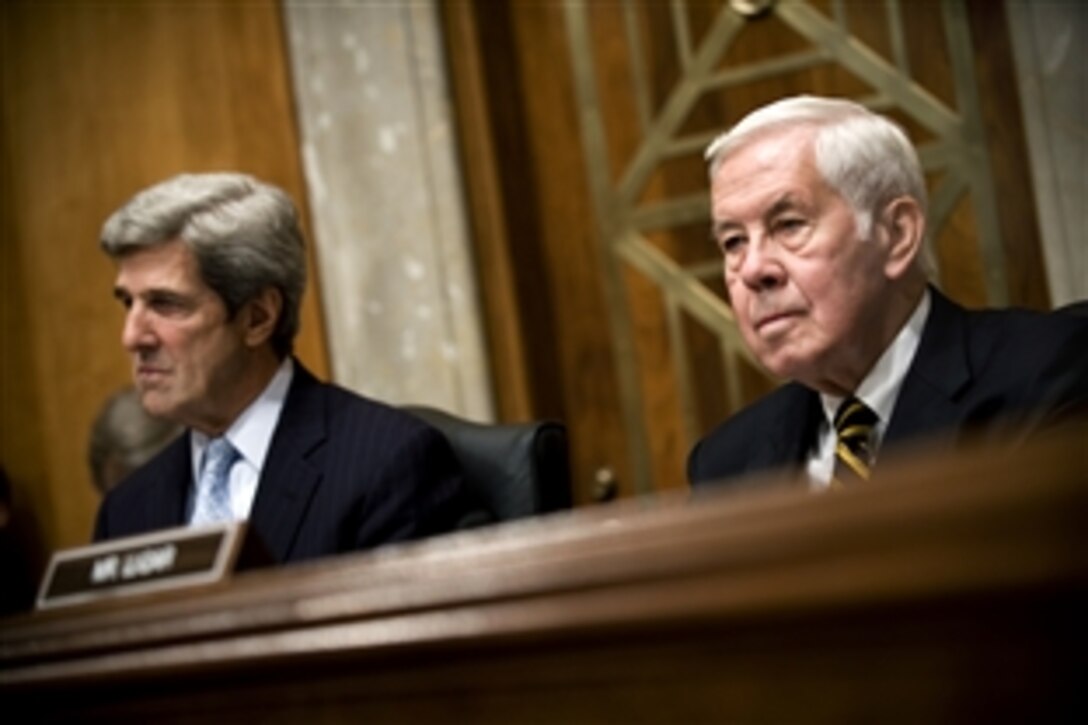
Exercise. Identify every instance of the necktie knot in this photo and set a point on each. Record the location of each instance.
(213, 488)
(854, 426)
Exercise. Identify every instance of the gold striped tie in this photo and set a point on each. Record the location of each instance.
(854, 423)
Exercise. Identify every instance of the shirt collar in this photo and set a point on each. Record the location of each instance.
(880, 388)
(251, 432)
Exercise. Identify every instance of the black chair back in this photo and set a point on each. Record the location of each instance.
(1077, 307)
(515, 469)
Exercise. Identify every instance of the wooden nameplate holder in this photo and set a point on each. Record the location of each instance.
(169, 559)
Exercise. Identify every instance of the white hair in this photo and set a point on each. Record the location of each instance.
(865, 157)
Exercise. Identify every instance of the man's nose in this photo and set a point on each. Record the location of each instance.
(761, 267)
(136, 333)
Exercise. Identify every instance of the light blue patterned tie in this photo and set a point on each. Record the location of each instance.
(213, 489)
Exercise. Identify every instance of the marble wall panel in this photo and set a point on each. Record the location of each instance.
(395, 260)
(1049, 46)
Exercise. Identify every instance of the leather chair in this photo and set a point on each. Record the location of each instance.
(1077, 307)
(515, 469)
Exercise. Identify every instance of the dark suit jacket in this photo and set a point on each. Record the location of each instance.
(1003, 374)
(342, 473)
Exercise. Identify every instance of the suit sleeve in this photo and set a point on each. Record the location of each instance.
(421, 493)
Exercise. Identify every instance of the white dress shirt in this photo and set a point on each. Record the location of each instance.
(879, 390)
(251, 435)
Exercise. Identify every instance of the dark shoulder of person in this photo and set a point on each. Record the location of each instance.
(399, 442)
(1042, 349)
(387, 425)
(20, 552)
(732, 448)
(1035, 371)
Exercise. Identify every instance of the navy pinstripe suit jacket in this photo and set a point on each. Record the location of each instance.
(994, 374)
(343, 473)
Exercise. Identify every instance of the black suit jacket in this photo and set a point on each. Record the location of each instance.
(1002, 374)
(342, 473)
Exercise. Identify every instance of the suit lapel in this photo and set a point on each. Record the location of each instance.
(793, 431)
(940, 371)
(173, 478)
(289, 478)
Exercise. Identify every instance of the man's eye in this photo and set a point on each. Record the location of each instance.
(166, 305)
(124, 298)
(731, 243)
(788, 225)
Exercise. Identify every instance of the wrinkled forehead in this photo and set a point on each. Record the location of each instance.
(773, 165)
(743, 137)
(781, 138)
(168, 265)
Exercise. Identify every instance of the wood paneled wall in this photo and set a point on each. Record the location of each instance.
(99, 100)
(534, 227)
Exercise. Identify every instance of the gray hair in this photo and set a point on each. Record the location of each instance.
(124, 436)
(244, 234)
(865, 157)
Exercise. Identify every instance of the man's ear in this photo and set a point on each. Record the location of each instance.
(260, 315)
(903, 227)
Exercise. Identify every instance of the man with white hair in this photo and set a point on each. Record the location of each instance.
(819, 209)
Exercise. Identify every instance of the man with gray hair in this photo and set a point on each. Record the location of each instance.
(210, 271)
(819, 209)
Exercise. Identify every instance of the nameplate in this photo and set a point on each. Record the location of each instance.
(162, 560)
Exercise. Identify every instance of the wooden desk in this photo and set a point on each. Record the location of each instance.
(953, 591)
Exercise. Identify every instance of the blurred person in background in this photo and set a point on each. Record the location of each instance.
(124, 437)
(20, 552)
